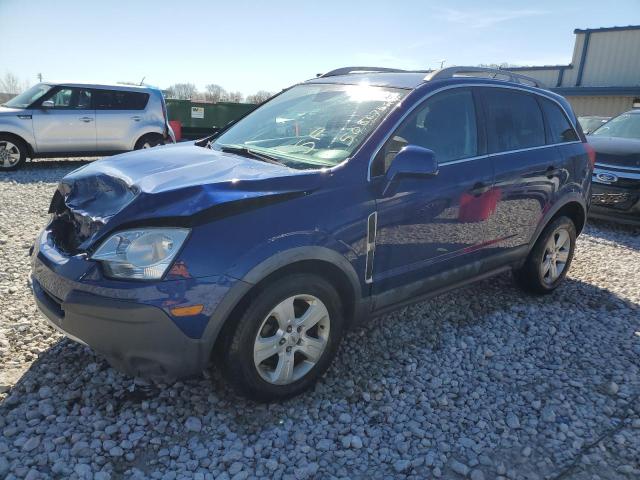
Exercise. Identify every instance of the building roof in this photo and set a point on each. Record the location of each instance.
(606, 29)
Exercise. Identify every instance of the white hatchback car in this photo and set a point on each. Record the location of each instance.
(70, 119)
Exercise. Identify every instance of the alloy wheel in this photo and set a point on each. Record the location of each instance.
(556, 255)
(291, 339)
(9, 154)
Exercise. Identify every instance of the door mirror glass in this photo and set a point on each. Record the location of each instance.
(413, 160)
(48, 104)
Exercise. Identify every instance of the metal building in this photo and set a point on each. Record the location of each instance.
(603, 77)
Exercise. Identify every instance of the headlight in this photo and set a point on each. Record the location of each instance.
(143, 254)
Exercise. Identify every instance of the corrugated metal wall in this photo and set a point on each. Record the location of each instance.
(613, 58)
(548, 77)
(605, 106)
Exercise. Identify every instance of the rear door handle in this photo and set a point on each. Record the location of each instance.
(479, 188)
(552, 171)
(86, 119)
(136, 118)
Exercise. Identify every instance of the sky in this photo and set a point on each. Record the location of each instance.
(252, 45)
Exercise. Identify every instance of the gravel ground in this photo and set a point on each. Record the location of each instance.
(481, 383)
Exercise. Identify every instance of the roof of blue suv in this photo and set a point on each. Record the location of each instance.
(406, 79)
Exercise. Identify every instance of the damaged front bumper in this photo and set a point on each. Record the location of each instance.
(130, 323)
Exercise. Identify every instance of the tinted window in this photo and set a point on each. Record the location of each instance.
(446, 124)
(118, 100)
(558, 127)
(514, 120)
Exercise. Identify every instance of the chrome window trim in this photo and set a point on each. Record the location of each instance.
(467, 85)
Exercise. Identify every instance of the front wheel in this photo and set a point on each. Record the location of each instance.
(13, 152)
(549, 260)
(285, 339)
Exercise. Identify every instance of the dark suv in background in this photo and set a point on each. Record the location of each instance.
(340, 198)
(616, 177)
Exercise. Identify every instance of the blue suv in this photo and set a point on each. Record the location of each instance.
(339, 199)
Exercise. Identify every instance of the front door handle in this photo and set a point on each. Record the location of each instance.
(136, 118)
(86, 119)
(479, 188)
(552, 171)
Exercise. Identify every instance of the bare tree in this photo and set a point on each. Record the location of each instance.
(215, 93)
(259, 97)
(182, 91)
(11, 84)
(235, 97)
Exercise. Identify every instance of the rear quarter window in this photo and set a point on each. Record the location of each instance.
(120, 100)
(559, 129)
(514, 120)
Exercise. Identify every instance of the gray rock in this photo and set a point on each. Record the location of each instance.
(512, 420)
(401, 465)
(459, 467)
(193, 424)
(477, 474)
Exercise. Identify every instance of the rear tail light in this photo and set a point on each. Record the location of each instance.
(591, 153)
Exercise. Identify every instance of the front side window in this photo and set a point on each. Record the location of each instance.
(559, 129)
(446, 124)
(62, 98)
(29, 96)
(312, 125)
(626, 125)
(514, 120)
(71, 98)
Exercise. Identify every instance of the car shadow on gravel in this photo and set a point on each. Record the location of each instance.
(449, 372)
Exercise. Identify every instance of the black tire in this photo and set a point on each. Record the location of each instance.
(18, 147)
(237, 352)
(530, 276)
(149, 140)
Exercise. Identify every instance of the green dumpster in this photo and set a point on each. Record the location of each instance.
(198, 119)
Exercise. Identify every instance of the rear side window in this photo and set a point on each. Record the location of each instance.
(514, 120)
(445, 123)
(119, 100)
(559, 129)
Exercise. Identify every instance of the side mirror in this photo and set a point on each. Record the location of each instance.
(48, 104)
(413, 161)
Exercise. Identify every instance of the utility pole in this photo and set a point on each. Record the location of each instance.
(39, 77)
(442, 64)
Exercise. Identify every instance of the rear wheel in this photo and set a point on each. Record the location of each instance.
(149, 141)
(549, 260)
(285, 339)
(13, 152)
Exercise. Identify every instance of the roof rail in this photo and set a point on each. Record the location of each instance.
(450, 72)
(348, 70)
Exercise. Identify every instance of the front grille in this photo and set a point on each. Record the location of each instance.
(610, 198)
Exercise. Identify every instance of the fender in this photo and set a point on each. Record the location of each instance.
(151, 129)
(281, 259)
(569, 197)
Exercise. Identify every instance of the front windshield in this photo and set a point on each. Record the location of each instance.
(312, 125)
(27, 97)
(626, 125)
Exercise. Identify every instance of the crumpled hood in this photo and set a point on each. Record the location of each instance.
(621, 152)
(176, 184)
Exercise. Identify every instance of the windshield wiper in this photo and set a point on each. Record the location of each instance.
(246, 152)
